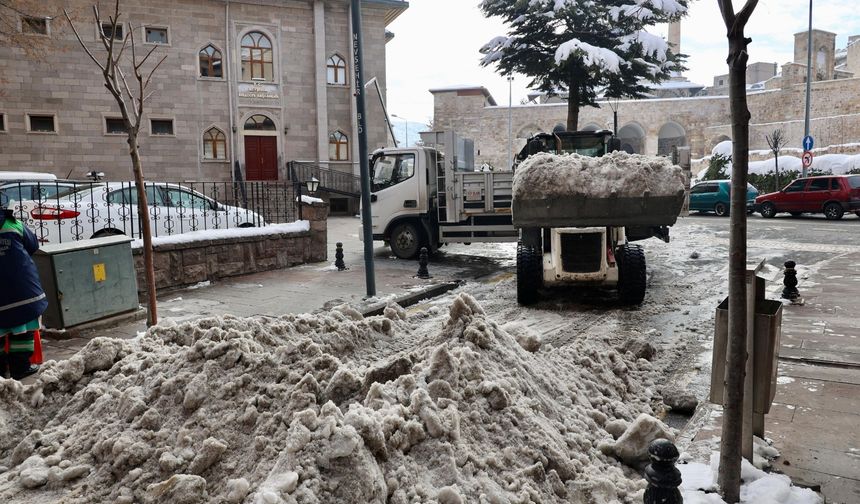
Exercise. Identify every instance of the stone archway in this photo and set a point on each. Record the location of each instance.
(592, 127)
(632, 137)
(671, 135)
(717, 140)
(528, 131)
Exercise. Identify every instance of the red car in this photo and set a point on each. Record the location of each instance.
(832, 195)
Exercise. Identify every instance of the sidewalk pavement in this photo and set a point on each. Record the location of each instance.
(816, 412)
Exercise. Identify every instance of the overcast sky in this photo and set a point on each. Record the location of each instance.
(436, 45)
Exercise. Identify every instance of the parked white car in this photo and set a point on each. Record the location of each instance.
(110, 208)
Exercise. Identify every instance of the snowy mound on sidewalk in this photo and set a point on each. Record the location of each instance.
(322, 409)
(616, 174)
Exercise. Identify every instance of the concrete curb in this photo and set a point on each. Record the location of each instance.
(413, 298)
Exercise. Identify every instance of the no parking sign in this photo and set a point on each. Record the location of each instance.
(807, 159)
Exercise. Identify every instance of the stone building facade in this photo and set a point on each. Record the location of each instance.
(655, 126)
(254, 82)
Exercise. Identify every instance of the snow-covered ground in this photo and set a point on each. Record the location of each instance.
(465, 398)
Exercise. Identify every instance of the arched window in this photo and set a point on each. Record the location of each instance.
(210, 62)
(338, 146)
(257, 58)
(336, 70)
(214, 144)
(259, 122)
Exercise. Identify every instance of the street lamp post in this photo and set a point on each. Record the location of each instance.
(510, 121)
(406, 123)
(808, 78)
(613, 104)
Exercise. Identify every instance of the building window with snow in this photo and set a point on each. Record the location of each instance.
(210, 62)
(214, 144)
(338, 146)
(336, 70)
(257, 58)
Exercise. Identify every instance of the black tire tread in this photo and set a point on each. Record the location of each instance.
(632, 274)
(529, 274)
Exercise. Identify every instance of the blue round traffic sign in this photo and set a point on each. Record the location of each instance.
(808, 143)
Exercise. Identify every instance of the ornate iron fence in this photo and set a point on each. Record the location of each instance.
(62, 211)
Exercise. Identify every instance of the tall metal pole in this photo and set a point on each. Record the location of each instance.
(364, 164)
(510, 121)
(808, 78)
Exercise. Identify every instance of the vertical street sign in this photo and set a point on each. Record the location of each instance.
(808, 143)
(807, 160)
(361, 112)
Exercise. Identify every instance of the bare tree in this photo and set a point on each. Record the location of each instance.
(776, 141)
(730, 443)
(131, 106)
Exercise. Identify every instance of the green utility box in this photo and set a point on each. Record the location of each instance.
(87, 280)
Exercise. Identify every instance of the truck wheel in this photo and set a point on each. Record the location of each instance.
(529, 274)
(631, 274)
(721, 209)
(768, 210)
(833, 211)
(405, 240)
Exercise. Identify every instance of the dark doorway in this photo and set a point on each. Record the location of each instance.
(261, 158)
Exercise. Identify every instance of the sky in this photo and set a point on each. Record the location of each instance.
(436, 44)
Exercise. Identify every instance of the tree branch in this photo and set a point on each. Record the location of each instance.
(81, 42)
(728, 12)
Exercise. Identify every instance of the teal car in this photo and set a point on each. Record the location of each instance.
(713, 196)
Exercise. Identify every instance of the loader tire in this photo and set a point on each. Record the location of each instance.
(631, 274)
(529, 274)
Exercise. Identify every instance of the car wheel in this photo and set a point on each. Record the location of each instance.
(721, 209)
(833, 211)
(405, 240)
(857, 213)
(768, 210)
(246, 225)
(632, 276)
(796, 214)
(529, 274)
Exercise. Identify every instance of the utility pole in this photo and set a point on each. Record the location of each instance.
(364, 164)
(808, 79)
(510, 121)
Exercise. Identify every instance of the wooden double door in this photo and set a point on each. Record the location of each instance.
(261, 158)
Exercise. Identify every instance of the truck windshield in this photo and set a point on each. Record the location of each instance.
(585, 145)
(392, 169)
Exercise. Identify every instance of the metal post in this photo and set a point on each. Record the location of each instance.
(510, 120)
(360, 106)
(423, 273)
(299, 197)
(808, 79)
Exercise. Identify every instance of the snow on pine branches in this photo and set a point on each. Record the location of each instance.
(584, 46)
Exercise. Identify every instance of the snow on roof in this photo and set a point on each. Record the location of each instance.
(677, 85)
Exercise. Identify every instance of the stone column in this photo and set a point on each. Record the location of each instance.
(320, 58)
(317, 214)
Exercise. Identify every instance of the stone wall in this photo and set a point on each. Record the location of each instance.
(68, 85)
(705, 121)
(185, 264)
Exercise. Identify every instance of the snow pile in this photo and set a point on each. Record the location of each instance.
(833, 164)
(220, 234)
(759, 487)
(617, 174)
(324, 408)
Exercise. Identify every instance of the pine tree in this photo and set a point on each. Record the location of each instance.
(584, 47)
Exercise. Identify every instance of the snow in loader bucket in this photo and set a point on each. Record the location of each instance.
(618, 189)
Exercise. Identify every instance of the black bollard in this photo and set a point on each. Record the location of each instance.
(790, 291)
(661, 474)
(422, 265)
(338, 257)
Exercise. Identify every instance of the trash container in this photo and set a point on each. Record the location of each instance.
(87, 280)
(768, 327)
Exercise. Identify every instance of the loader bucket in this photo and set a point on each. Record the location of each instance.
(582, 210)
